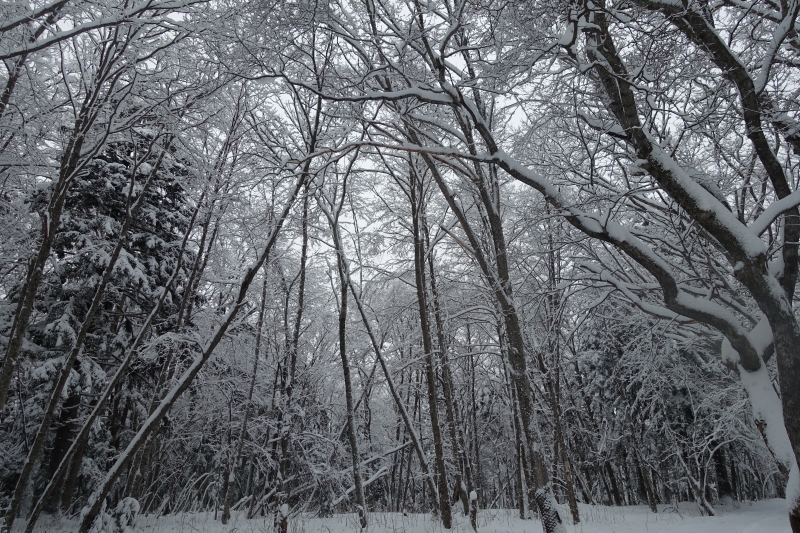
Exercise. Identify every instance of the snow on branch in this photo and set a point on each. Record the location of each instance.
(657, 311)
(775, 209)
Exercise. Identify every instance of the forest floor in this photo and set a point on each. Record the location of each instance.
(757, 517)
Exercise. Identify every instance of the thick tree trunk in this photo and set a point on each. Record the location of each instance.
(644, 478)
(70, 483)
(526, 502)
(519, 447)
(573, 502)
(772, 294)
(725, 492)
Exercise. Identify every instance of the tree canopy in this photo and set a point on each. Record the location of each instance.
(359, 255)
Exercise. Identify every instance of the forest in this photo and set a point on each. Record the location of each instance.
(283, 258)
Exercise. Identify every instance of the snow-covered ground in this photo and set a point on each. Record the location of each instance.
(757, 517)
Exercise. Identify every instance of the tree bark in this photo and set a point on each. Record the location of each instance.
(68, 427)
(361, 506)
(415, 192)
(725, 491)
(614, 488)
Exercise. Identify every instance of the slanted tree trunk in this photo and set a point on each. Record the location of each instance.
(36, 449)
(98, 496)
(167, 370)
(772, 293)
(407, 420)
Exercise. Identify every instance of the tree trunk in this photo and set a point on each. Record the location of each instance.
(645, 479)
(725, 491)
(474, 411)
(71, 476)
(553, 317)
(361, 506)
(100, 493)
(614, 488)
(523, 472)
(457, 440)
(501, 286)
(427, 346)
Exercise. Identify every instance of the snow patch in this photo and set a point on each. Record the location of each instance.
(793, 488)
(745, 517)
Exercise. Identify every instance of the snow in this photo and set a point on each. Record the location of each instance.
(748, 240)
(743, 517)
(121, 520)
(761, 336)
(767, 409)
(729, 355)
(567, 36)
(793, 488)
(781, 32)
(775, 209)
